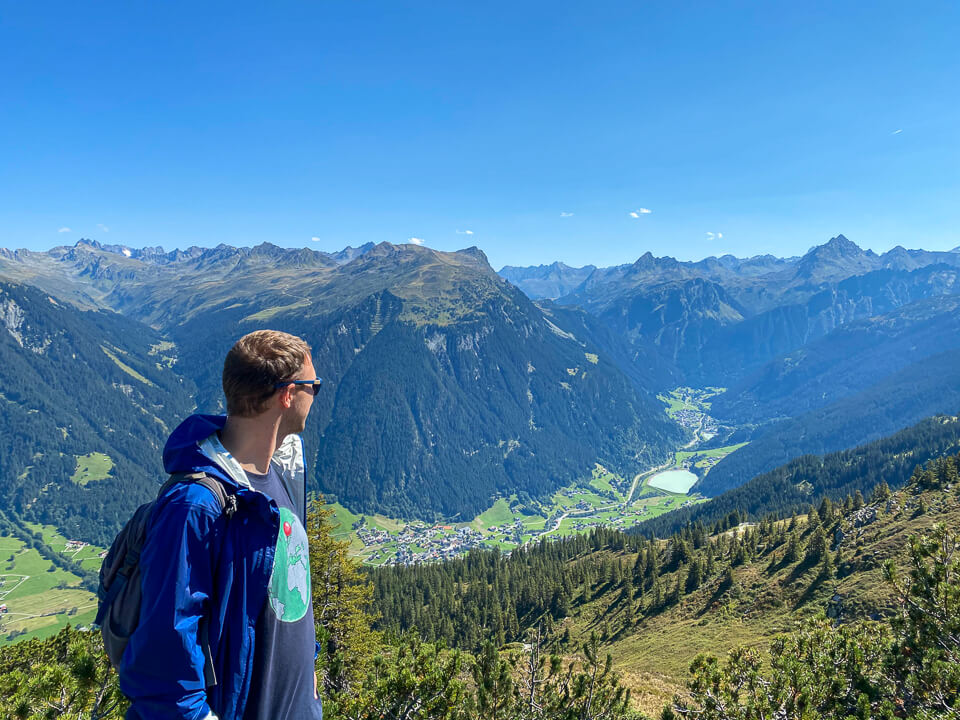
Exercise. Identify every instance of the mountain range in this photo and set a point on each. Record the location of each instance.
(816, 353)
(446, 387)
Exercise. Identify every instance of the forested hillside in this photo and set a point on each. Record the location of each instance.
(928, 387)
(657, 603)
(446, 388)
(851, 358)
(86, 404)
(817, 353)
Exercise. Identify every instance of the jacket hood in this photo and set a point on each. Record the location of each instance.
(195, 447)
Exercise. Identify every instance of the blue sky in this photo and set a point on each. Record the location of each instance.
(530, 129)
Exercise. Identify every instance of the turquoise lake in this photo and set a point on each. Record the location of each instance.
(678, 481)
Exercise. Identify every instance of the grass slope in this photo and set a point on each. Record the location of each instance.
(768, 597)
(91, 467)
(40, 598)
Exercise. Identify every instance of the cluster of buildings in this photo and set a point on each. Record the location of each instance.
(444, 547)
(513, 533)
(372, 536)
(419, 543)
(690, 418)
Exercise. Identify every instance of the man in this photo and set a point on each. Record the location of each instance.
(226, 623)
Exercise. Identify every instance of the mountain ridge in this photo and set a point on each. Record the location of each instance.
(417, 345)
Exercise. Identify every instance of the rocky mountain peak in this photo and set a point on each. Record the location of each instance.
(648, 262)
(477, 254)
(837, 258)
(350, 253)
(840, 246)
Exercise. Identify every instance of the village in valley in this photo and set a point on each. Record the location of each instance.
(603, 499)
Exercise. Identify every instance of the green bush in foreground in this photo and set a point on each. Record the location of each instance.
(67, 676)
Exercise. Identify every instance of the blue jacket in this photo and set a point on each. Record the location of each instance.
(195, 565)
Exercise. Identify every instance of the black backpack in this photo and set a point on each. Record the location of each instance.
(119, 593)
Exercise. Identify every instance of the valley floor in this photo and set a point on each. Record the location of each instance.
(37, 598)
(603, 499)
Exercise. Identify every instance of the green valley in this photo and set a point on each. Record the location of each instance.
(37, 598)
(605, 499)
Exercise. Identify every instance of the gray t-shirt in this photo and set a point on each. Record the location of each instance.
(282, 684)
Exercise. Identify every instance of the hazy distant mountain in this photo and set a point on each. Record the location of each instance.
(835, 260)
(448, 386)
(718, 319)
(928, 387)
(351, 253)
(851, 358)
(832, 347)
(865, 379)
(546, 281)
(737, 350)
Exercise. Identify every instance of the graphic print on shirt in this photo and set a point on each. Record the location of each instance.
(289, 590)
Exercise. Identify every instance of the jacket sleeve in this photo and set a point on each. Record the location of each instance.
(162, 668)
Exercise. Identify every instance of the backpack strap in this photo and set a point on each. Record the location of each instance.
(227, 500)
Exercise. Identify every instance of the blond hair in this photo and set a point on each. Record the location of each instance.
(255, 364)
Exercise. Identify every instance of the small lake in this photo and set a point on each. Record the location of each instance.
(678, 481)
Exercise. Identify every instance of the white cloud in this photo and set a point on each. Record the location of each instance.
(464, 232)
(714, 236)
(314, 239)
(64, 229)
(415, 240)
(566, 214)
(641, 211)
(897, 132)
(103, 228)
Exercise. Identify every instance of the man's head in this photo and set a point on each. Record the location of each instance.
(256, 364)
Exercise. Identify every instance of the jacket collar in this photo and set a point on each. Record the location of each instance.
(288, 459)
(195, 447)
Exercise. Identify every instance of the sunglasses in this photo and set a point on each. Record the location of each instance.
(314, 385)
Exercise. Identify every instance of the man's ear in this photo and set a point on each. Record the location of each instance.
(286, 396)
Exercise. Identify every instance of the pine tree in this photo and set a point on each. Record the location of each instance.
(694, 577)
(792, 554)
(494, 683)
(816, 548)
(342, 597)
(825, 511)
(881, 492)
(657, 599)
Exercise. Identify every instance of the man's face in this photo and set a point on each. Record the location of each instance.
(295, 417)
